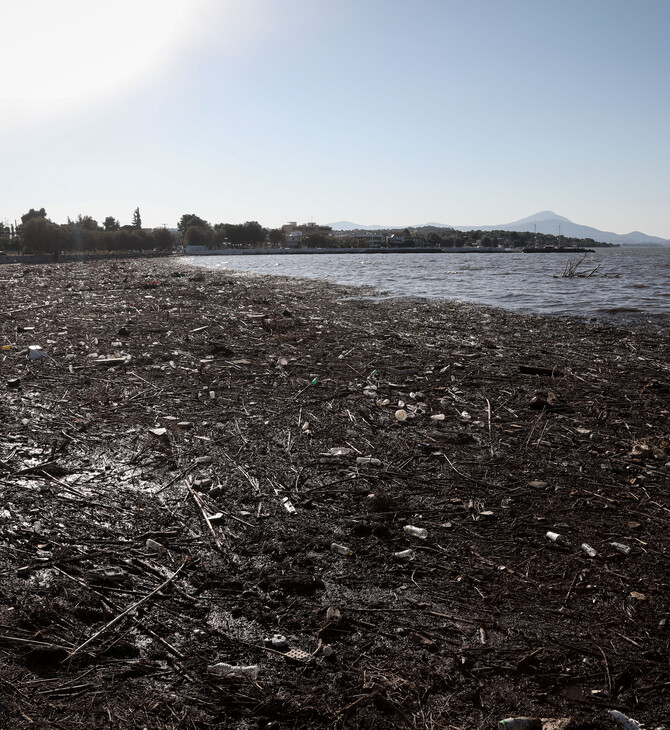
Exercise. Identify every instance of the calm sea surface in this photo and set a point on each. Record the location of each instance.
(632, 285)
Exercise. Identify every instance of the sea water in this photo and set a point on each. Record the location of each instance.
(629, 285)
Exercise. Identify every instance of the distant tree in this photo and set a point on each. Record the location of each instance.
(137, 219)
(32, 213)
(111, 224)
(198, 236)
(128, 238)
(276, 237)
(40, 235)
(191, 219)
(87, 223)
(318, 240)
(163, 239)
(254, 233)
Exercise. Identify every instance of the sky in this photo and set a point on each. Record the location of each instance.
(389, 112)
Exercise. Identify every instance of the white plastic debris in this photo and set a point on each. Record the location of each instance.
(520, 723)
(419, 532)
(363, 460)
(401, 415)
(626, 722)
(589, 550)
(625, 549)
(338, 451)
(222, 669)
(404, 555)
(341, 549)
(35, 352)
(287, 505)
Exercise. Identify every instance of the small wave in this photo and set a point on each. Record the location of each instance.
(620, 310)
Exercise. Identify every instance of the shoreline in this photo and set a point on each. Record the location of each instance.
(180, 411)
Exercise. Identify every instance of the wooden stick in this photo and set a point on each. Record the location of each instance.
(130, 609)
(201, 507)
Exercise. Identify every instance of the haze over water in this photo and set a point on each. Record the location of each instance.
(631, 287)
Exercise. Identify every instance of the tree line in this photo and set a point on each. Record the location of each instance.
(38, 234)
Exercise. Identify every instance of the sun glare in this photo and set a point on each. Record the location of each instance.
(53, 52)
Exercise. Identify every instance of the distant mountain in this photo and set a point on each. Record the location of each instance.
(349, 226)
(543, 222)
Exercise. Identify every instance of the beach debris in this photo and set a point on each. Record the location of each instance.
(419, 532)
(338, 451)
(557, 538)
(112, 361)
(278, 642)
(341, 549)
(223, 669)
(625, 549)
(333, 613)
(35, 352)
(588, 550)
(626, 722)
(520, 723)
(155, 546)
(299, 656)
(404, 555)
(368, 460)
(401, 415)
(288, 505)
(109, 575)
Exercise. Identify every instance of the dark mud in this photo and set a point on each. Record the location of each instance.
(176, 468)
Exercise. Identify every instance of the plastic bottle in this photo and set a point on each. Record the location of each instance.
(341, 549)
(419, 532)
(405, 555)
(222, 669)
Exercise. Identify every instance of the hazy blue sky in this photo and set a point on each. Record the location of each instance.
(393, 112)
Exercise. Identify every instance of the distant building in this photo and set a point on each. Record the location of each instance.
(295, 236)
(370, 239)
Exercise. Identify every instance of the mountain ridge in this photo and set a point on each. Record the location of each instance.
(545, 221)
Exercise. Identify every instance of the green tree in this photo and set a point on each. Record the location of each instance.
(318, 240)
(254, 233)
(191, 219)
(198, 236)
(87, 223)
(276, 237)
(163, 239)
(111, 224)
(137, 219)
(32, 213)
(40, 235)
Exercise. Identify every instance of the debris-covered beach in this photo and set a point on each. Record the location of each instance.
(211, 483)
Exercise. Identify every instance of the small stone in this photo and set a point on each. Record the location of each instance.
(155, 547)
